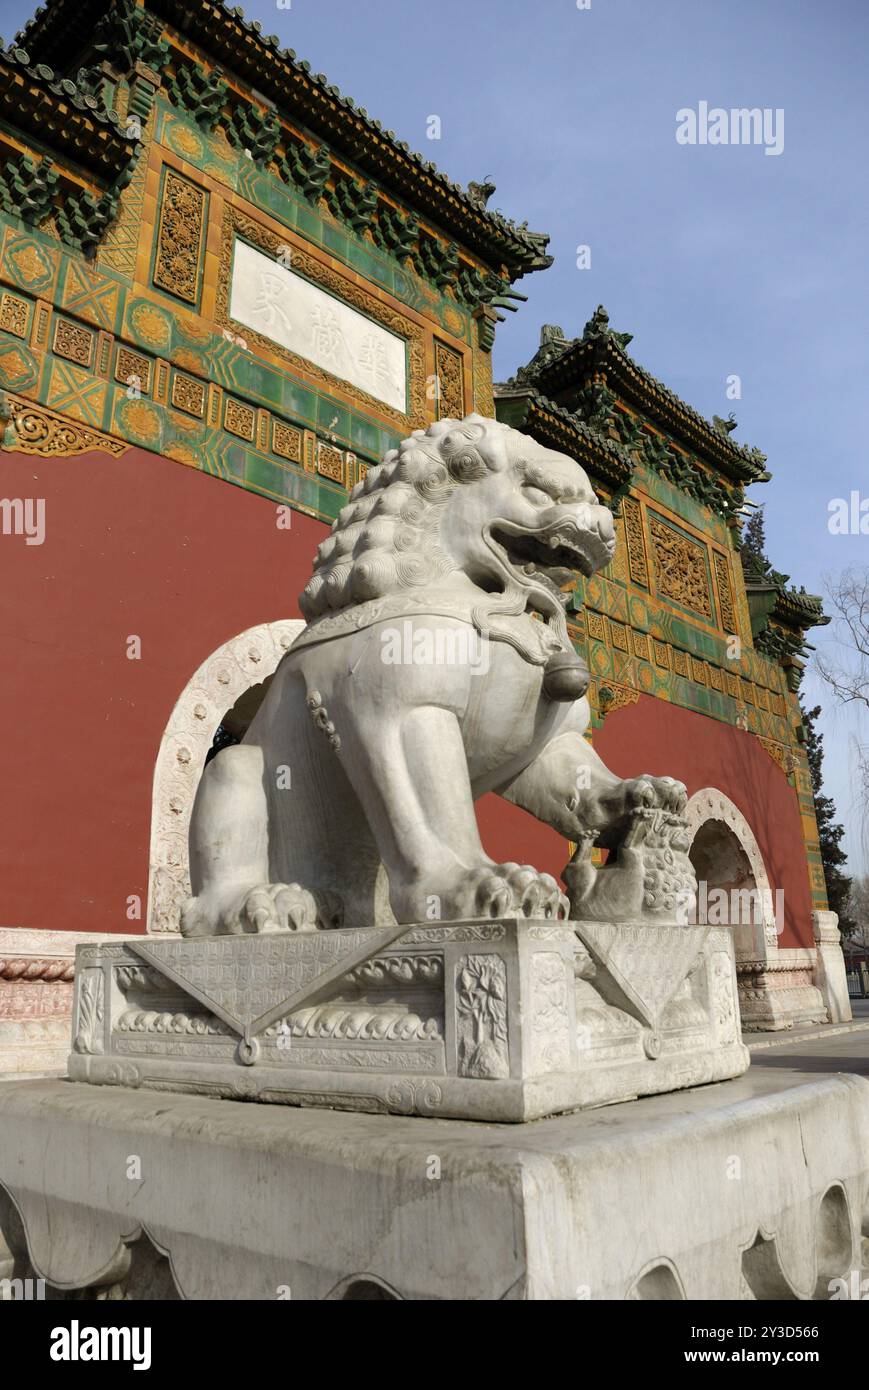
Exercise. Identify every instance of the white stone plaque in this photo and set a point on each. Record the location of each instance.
(287, 308)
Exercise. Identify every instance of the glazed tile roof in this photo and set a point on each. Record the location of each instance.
(34, 97)
(60, 30)
(563, 363)
(523, 406)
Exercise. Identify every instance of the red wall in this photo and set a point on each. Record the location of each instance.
(665, 740)
(143, 546)
(137, 545)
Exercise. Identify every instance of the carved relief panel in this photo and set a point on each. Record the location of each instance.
(680, 567)
(180, 235)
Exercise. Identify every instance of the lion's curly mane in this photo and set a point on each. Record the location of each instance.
(386, 538)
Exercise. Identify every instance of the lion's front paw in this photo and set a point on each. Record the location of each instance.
(274, 907)
(507, 890)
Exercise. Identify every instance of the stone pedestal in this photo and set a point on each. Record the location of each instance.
(779, 990)
(830, 976)
(129, 1192)
(36, 973)
(504, 1020)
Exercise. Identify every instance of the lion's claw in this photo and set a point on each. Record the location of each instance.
(508, 889)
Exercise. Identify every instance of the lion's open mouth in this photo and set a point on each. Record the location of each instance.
(549, 559)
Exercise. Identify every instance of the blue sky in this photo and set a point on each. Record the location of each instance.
(719, 259)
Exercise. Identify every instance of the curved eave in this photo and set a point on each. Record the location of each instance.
(554, 426)
(639, 388)
(798, 611)
(64, 121)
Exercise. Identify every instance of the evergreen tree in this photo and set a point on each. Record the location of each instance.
(754, 539)
(829, 831)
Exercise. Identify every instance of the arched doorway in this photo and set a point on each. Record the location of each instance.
(776, 988)
(217, 687)
(727, 860)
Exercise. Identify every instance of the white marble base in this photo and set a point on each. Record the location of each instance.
(506, 1020)
(777, 991)
(830, 975)
(671, 1197)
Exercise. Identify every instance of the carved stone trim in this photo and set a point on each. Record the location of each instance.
(711, 804)
(776, 986)
(240, 663)
(41, 431)
(91, 1012)
(30, 968)
(481, 1017)
(237, 223)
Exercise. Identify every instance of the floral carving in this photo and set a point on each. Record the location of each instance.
(481, 1022)
(179, 237)
(188, 394)
(725, 593)
(287, 441)
(451, 390)
(73, 342)
(40, 431)
(239, 419)
(636, 545)
(330, 462)
(13, 315)
(550, 1018)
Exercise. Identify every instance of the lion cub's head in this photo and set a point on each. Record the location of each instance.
(464, 505)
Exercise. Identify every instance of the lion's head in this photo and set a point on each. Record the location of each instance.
(464, 505)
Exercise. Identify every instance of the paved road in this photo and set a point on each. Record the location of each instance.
(842, 1052)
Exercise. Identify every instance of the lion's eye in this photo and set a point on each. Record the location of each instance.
(537, 496)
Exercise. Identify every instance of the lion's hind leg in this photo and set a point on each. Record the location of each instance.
(229, 858)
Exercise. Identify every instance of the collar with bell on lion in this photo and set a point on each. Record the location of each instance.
(501, 617)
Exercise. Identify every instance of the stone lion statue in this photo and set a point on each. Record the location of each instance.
(435, 666)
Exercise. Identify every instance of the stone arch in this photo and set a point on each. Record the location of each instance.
(726, 855)
(364, 1288)
(658, 1282)
(243, 661)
